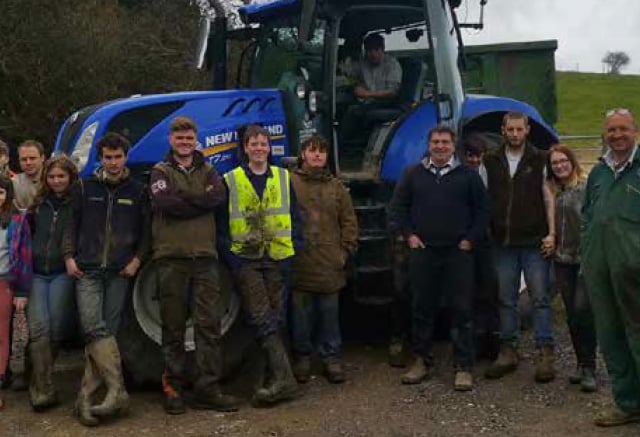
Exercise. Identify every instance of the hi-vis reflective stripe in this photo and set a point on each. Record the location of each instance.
(234, 204)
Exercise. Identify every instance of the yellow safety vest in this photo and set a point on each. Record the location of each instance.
(260, 225)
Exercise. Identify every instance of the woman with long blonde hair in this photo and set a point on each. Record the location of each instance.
(52, 304)
(568, 184)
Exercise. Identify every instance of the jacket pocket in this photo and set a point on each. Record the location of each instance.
(630, 208)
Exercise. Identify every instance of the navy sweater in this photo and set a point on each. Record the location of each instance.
(441, 211)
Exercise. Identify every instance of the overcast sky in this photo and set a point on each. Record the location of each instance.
(585, 29)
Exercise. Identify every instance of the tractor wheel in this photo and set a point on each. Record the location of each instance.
(140, 333)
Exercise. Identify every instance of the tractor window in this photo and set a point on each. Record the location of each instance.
(135, 123)
(278, 54)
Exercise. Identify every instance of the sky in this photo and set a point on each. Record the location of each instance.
(585, 29)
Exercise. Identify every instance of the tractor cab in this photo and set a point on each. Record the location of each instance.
(312, 51)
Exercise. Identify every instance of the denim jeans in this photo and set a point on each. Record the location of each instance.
(101, 295)
(51, 310)
(314, 320)
(510, 263)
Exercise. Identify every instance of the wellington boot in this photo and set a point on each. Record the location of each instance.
(545, 371)
(506, 362)
(283, 386)
(216, 400)
(90, 382)
(417, 373)
(42, 394)
(107, 358)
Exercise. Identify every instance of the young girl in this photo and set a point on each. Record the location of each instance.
(568, 184)
(51, 303)
(15, 268)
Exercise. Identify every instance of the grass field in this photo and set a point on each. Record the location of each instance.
(584, 97)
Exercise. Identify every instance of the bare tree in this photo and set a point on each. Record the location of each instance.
(616, 61)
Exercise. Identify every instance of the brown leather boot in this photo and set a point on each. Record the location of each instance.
(417, 373)
(506, 362)
(545, 372)
(334, 371)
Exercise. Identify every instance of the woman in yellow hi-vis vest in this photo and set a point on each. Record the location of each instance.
(257, 232)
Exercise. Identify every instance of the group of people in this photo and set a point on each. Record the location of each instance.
(71, 245)
(286, 235)
(516, 210)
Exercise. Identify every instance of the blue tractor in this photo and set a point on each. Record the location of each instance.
(293, 71)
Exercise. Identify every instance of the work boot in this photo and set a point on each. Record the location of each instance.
(107, 358)
(614, 416)
(506, 362)
(215, 400)
(417, 373)
(576, 377)
(397, 356)
(334, 371)
(463, 381)
(284, 386)
(173, 401)
(545, 371)
(588, 382)
(90, 382)
(42, 394)
(302, 368)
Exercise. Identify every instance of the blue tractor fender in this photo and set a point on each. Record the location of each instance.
(408, 143)
(484, 113)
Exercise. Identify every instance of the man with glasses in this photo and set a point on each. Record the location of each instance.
(611, 262)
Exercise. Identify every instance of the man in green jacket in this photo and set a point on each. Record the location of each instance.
(185, 192)
(611, 262)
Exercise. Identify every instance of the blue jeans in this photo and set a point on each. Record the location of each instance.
(101, 296)
(52, 307)
(314, 316)
(510, 263)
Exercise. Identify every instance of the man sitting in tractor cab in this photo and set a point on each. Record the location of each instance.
(378, 79)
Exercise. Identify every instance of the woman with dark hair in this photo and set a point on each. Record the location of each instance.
(52, 304)
(15, 268)
(567, 183)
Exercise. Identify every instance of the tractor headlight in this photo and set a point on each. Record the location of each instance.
(82, 149)
(301, 90)
(313, 102)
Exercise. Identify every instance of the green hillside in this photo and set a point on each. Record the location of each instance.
(583, 99)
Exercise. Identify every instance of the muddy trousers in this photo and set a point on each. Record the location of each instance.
(190, 286)
(613, 284)
(437, 276)
(263, 292)
(570, 283)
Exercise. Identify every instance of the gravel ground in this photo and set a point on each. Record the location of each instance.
(371, 403)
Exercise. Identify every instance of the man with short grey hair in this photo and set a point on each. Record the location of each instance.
(610, 262)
